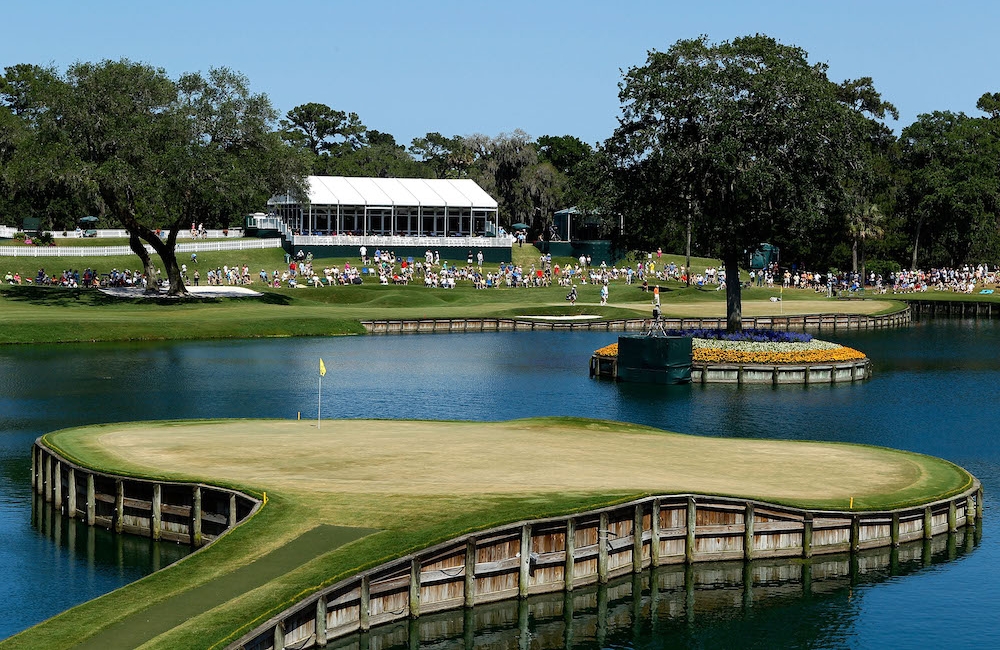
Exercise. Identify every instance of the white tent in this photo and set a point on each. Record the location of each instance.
(390, 207)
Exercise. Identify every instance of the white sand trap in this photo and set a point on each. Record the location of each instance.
(198, 292)
(578, 317)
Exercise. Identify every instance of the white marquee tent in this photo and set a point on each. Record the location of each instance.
(342, 205)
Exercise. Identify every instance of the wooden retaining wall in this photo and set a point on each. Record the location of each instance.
(193, 513)
(953, 308)
(777, 374)
(566, 553)
(594, 614)
(818, 322)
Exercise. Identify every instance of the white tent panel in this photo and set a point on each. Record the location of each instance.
(422, 190)
(320, 192)
(345, 192)
(387, 192)
(453, 198)
(397, 192)
(471, 190)
(371, 191)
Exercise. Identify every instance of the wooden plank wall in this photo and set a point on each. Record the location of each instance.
(819, 322)
(181, 512)
(572, 553)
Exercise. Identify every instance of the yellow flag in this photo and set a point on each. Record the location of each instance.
(322, 368)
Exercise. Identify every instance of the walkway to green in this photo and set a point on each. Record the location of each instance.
(148, 623)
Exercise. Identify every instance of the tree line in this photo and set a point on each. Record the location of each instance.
(719, 147)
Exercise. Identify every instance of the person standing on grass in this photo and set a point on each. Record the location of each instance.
(197, 277)
(479, 258)
(604, 293)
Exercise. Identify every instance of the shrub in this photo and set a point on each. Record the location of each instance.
(20, 236)
(44, 239)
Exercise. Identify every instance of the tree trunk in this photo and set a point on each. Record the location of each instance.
(167, 252)
(734, 300)
(687, 248)
(147, 262)
(916, 240)
(854, 255)
(861, 256)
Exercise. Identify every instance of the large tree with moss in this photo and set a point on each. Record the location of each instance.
(746, 138)
(155, 154)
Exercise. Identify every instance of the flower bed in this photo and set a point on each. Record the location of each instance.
(757, 351)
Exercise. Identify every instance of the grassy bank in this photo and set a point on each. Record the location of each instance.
(420, 483)
(50, 315)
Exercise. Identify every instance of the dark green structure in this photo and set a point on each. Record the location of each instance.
(655, 359)
(764, 256)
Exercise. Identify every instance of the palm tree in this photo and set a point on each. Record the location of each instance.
(864, 223)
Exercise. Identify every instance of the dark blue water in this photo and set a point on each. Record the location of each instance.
(934, 391)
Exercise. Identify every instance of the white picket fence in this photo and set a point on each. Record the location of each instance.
(107, 251)
(6, 232)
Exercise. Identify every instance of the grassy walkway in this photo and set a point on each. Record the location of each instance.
(421, 483)
(134, 630)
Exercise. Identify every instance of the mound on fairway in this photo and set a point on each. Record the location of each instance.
(405, 485)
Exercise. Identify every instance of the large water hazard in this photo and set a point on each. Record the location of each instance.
(934, 391)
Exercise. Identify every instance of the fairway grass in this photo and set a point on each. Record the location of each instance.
(422, 482)
(56, 315)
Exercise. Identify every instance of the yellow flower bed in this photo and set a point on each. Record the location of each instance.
(720, 355)
(608, 351)
(715, 355)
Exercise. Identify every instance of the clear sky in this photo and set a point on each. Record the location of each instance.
(549, 68)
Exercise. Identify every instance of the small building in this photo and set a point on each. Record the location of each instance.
(576, 232)
(406, 215)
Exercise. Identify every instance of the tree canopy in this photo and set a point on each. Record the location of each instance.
(747, 136)
(154, 154)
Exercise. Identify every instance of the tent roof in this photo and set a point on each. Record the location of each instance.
(387, 192)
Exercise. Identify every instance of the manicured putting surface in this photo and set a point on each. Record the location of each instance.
(521, 457)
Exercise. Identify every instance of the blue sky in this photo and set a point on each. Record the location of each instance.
(408, 68)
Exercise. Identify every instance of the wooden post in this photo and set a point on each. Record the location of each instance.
(119, 505)
(470, 572)
(524, 574)
(807, 536)
(156, 518)
(414, 588)
(637, 540)
(34, 468)
(570, 567)
(39, 471)
(279, 635)
(48, 478)
(321, 621)
(71, 493)
(232, 510)
(692, 518)
(894, 530)
(196, 516)
(654, 535)
(970, 511)
(748, 545)
(364, 608)
(602, 549)
(57, 487)
(855, 533)
(91, 501)
(928, 523)
(979, 504)
(952, 517)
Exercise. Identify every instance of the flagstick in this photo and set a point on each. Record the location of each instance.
(319, 404)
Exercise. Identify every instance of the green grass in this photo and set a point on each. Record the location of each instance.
(240, 568)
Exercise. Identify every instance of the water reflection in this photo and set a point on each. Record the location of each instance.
(781, 603)
(104, 551)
